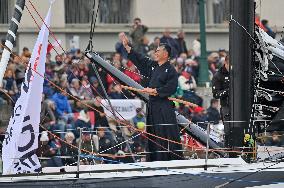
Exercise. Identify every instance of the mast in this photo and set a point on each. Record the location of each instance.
(241, 69)
(11, 36)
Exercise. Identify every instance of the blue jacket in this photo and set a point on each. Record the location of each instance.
(62, 104)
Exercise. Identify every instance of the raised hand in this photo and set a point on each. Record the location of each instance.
(125, 43)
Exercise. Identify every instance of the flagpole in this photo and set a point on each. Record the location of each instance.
(11, 37)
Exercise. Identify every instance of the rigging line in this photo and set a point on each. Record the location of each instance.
(132, 127)
(58, 53)
(111, 107)
(240, 178)
(63, 50)
(232, 19)
(121, 122)
(93, 12)
(46, 26)
(52, 32)
(93, 29)
(132, 137)
(39, 26)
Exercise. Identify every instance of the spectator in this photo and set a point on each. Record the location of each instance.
(196, 47)
(213, 62)
(91, 74)
(220, 90)
(180, 65)
(20, 69)
(96, 87)
(167, 39)
(68, 150)
(269, 31)
(82, 70)
(119, 46)
(49, 74)
(45, 151)
(87, 145)
(188, 84)
(63, 112)
(137, 33)
(199, 117)
(76, 89)
(47, 114)
(191, 66)
(154, 45)
(139, 120)
(181, 42)
(26, 52)
(10, 86)
(83, 121)
(132, 72)
(100, 116)
(144, 46)
(105, 143)
(116, 92)
(213, 113)
(87, 91)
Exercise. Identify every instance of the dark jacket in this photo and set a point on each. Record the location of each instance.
(181, 46)
(213, 115)
(173, 44)
(221, 86)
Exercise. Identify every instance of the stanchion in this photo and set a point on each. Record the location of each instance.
(207, 146)
(79, 153)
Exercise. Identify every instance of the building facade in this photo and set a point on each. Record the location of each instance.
(71, 20)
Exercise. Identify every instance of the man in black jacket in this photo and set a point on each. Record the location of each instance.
(220, 89)
(161, 113)
(213, 114)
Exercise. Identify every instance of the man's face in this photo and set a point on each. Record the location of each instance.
(161, 54)
(116, 57)
(215, 105)
(137, 22)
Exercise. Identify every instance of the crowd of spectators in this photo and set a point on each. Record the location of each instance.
(74, 74)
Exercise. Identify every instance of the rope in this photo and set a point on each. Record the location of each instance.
(153, 94)
(75, 76)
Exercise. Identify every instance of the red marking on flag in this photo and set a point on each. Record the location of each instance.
(37, 57)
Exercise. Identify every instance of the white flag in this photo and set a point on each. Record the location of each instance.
(21, 139)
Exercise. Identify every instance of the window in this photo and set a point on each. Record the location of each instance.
(6, 10)
(115, 11)
(190, 11)
(78, 11)
(221, 11)
(110, 12)
(217, 11)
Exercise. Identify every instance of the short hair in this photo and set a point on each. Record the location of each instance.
(213, 101)
(137, 19)
(264, 22)
(167, 48)
(227, 58)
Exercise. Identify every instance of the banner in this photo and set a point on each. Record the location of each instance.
(125, 107)
(21, 138)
